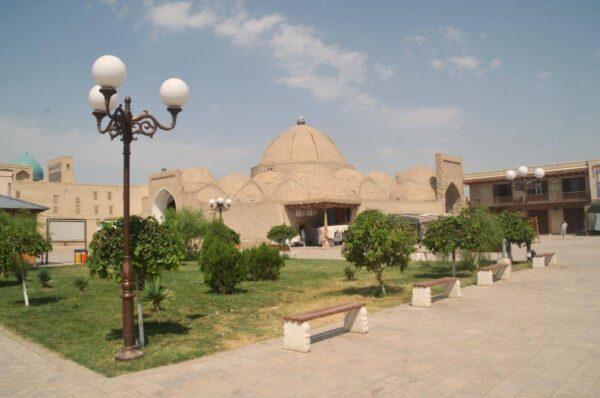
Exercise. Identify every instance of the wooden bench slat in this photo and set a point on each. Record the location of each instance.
(493, 267)
(439, 281)
(307, 316)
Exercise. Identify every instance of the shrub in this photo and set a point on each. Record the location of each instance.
(221, 264)
(376, 241)
(350, 272)
(222, 232)
(262, 263)
(44, 277)
(156, 293)
(80, 283)
(281, 233)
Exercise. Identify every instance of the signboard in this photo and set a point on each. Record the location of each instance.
(66, 230)
(304, 212)
(596, 175)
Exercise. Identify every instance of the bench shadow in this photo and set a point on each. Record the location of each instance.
(438, 297)
(367, 291)
(195, 316)
(152, 328)
(34, 301)
(4, 283)
(328, 334)
(435, 275)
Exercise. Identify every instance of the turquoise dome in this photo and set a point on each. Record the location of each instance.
(26, 160)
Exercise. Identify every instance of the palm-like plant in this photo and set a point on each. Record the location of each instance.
(44, 277)
(155, 292)
(80, 283)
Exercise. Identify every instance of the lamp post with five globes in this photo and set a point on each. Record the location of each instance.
(220, 205)
(109, 73)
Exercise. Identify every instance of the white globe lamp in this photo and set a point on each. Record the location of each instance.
(220, 200)
(211, 202)
(539, 173)
(523, 171)
(174, 92)
(96, 100)
(511, 175)
(109, 71)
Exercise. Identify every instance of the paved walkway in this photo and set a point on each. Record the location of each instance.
(537, 335)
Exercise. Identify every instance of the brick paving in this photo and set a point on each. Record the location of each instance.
(537, 335)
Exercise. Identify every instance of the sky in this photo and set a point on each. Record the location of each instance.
(391, 82)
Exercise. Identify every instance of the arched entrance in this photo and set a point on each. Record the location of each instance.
(163, 200)
(452, 198)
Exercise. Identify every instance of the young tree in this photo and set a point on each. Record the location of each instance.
(18, 239)
(220, 261)
(515, 229)
(482, 232)
(443, 236)
(375, 241)
(154, 248)
(281, 233)
(190, 225)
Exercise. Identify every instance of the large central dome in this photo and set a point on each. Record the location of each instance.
(300, 144)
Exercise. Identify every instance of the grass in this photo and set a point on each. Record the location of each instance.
(86, 327)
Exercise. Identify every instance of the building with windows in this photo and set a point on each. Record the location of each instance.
(302, 179)
(566, 192)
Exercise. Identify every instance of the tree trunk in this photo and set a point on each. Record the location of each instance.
(139, 311)
(454, 262)
(25, 296)
(379, 275)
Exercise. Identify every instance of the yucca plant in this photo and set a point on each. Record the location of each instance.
(80, 283)
(156, 293)
(44, 277)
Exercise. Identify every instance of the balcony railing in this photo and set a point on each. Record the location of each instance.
(577, 195)
(545, 197)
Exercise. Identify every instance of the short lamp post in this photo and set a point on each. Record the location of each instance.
(109, 73)
(520, 182)
(220, 205)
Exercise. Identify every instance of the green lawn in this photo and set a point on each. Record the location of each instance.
(196, 322)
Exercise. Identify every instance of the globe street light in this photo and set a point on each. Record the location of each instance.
(520, 182)
(220, 205)
(109, 73)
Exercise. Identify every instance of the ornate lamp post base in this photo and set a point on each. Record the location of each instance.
(127, 354)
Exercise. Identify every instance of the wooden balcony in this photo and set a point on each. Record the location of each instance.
(558, 197)
(575, 196)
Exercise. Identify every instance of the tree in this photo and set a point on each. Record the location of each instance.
(376, 241)
(262, 263)
(218, 230)
(154, 248)
(481, 231)
(443, 236)
(190, 226)
(19, 238)
(281, 233)
(220, 262)
(515, 229)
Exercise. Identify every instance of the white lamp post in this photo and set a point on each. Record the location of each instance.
(109, 73)
(220, 205)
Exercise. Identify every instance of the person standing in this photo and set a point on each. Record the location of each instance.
(563, 229)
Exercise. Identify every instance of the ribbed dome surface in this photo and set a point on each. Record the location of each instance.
(26, 160)
(302, 143)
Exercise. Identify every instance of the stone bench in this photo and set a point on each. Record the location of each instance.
(296, 330)
(421, 293)
(542, 260)
(502, 270)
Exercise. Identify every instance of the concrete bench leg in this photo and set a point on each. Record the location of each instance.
(356, 321)
(453, 290)
(296, 336)
(539, 262)
(505, 275)
(554, 260)
(421, 297)
(485, 278)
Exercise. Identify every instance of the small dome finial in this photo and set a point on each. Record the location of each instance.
(301, 120)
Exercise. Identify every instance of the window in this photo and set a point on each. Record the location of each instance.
(18, 194)
(576, 184)
(502, 190)
(55, 199)
(96, 210)
(110, 210)
(95, 195)
(54, 209)
(9, 189)
(54, 173)
(77, 201)
(109, 195)
(539, 188)
(77, 209)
